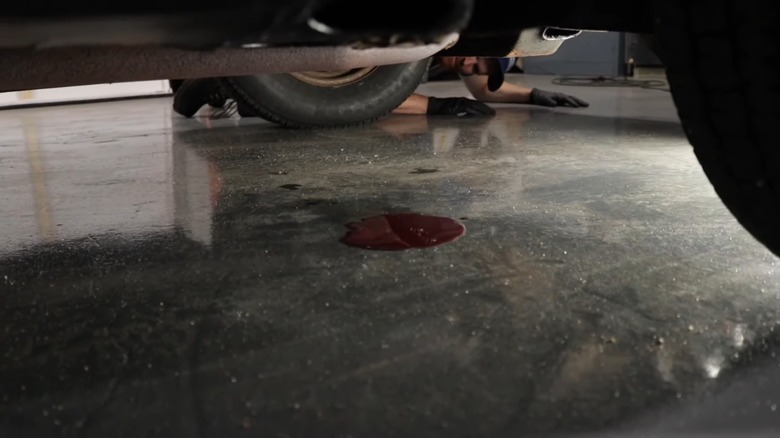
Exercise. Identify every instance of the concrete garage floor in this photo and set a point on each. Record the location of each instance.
(169, 277)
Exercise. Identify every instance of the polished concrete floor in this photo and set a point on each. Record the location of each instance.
(173, 277)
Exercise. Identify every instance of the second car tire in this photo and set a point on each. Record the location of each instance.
(723, 65)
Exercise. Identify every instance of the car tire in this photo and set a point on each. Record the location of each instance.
(723, 65)
(327, 100)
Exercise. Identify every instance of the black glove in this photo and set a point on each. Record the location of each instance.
(457, 106)
(552, 98)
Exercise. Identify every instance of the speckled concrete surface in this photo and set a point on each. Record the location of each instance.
(169, 277)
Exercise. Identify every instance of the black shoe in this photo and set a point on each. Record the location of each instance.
(192, 94)
(175, 84)
(244, 111)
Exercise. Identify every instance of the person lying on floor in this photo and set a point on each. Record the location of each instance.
(483, 77)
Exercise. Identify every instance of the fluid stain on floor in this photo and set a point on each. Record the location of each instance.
(399, 231)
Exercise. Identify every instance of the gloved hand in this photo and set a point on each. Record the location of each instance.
(552, 98)
(457, 106)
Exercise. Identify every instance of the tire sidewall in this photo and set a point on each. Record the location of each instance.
(290, 101)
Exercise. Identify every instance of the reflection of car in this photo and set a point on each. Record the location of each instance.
(721, 59)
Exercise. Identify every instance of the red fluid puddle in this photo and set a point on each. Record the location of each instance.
(395, 232)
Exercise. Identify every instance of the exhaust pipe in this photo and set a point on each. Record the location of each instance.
(532, 41)
(25, 69)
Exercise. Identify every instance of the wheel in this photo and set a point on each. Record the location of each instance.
(327, 99)
(723, 66)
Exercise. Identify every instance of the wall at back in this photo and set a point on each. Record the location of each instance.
(590, 53)
(85, 92)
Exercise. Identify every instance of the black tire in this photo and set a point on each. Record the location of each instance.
(288, 101)
(723, 65)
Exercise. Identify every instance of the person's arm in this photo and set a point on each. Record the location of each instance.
(511, 93)
(414, 104)
(417, 104)
(508, 93)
